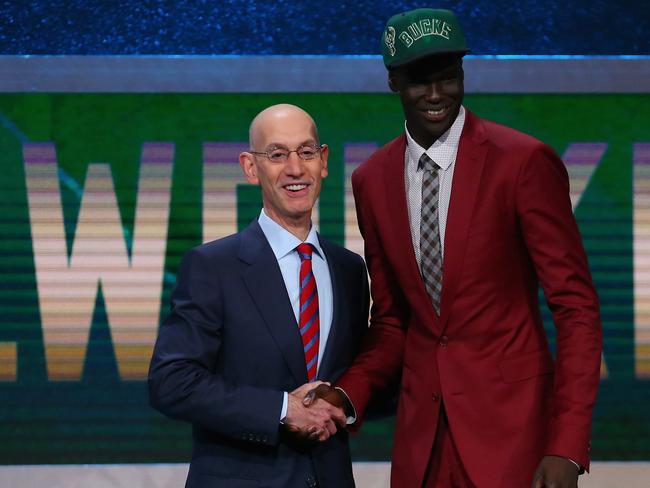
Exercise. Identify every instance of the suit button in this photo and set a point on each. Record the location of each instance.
(443, 341)
(435, 397)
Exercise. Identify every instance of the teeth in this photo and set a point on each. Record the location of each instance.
(436, 112)
(295, 187)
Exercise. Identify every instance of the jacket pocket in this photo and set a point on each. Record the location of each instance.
(526, 366)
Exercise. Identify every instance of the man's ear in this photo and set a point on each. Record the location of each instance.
(247, 163)
(324, 154)
(392, 82)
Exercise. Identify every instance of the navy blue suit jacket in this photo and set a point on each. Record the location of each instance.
(230, 348)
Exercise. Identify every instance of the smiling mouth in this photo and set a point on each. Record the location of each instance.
(437, 114)
(296, 187)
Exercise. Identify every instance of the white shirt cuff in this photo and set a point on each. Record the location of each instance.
(285, 405)
(577, 465)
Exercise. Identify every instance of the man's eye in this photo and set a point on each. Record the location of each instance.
(277, 155)
(308, 153)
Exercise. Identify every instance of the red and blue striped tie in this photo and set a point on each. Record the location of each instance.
(309, 321)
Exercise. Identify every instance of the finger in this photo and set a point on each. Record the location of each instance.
(309, 398)
(302, 389)
(320, 390)
(331, 427)
(336, 414)
(310, 386)
(340, 419)
(311, 395)
(324, 435)
(314, 433)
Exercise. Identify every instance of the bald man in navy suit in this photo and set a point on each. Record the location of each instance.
(239, 350)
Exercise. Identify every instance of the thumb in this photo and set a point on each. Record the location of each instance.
(309, 398)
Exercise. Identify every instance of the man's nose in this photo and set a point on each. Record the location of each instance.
(294, 166)
(433, 91)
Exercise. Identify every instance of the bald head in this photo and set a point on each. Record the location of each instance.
(292, 182)
(272, 119)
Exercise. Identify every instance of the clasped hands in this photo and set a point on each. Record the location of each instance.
(315, 411)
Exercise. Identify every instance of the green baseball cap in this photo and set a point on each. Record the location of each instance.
(422, 32)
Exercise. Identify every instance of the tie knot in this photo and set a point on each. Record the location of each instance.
(427, 164)
(304, 251)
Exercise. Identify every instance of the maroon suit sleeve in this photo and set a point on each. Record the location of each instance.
(554, 244)
(379, 362)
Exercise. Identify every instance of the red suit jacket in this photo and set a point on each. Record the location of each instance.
(510, 226)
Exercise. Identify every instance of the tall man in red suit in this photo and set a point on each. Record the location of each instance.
(462, 218)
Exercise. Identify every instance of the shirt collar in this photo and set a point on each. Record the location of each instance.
(282, 241)
(443, 150)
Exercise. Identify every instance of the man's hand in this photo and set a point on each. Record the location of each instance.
(555, 472)
(319, 421)
(307, 388)
(326, 392)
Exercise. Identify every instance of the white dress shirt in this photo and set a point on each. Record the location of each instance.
(442, 152)
(284, 243)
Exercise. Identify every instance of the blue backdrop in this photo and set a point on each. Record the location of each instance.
(593, 27)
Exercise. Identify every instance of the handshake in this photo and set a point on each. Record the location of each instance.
(316, 410)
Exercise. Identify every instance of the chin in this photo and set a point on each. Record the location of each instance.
(299, 212)
(437, 129)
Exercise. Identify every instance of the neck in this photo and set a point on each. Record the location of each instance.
(298, 226)
(424, 141)
(425, 138)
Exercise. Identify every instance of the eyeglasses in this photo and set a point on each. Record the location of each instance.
(281, 154)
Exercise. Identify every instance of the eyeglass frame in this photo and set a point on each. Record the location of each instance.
(318, 148)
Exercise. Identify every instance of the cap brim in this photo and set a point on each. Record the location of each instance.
(461, 52)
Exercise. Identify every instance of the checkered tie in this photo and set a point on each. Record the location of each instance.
(430, 249)
(309, 321)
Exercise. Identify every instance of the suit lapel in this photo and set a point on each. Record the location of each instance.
(470, 161)
(338, 330)
(263, 279)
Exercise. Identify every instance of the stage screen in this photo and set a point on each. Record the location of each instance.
(102, 194)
